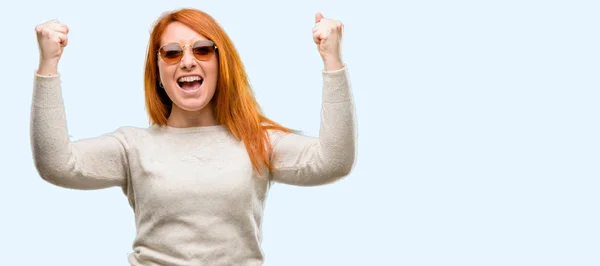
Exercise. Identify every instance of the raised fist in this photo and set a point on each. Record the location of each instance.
(52, 39)
(327, 34)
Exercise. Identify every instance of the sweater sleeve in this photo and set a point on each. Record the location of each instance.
(311, 161)
(92, 163)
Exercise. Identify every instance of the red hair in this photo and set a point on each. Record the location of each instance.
(234, 104)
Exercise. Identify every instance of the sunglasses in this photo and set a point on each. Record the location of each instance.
(172, 53)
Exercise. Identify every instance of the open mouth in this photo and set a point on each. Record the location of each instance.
(190, 83)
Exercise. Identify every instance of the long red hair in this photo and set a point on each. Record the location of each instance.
(234, 104)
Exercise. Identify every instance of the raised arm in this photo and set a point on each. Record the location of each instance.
(92, 163)
(309, 161)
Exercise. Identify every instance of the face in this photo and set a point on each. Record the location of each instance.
(188, 78)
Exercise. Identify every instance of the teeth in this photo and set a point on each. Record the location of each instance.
(189, 79)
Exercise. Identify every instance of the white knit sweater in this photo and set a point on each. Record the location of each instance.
(196, 198)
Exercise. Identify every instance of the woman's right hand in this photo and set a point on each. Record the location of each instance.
(52, 39)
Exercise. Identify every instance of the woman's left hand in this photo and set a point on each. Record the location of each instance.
(327, 34)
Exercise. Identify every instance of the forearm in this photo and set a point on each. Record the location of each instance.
(49, 136)
(337, 135)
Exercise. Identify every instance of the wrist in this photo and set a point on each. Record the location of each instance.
(48, 67)
(331, 64)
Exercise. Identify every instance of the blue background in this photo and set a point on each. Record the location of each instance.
(478, 129)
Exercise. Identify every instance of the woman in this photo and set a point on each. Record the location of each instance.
(198, 177)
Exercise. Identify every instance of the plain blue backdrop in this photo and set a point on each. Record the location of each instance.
(478, 129)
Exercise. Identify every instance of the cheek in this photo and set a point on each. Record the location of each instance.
(213, 66)
(161, 73)
(163, 76)
(164, 71)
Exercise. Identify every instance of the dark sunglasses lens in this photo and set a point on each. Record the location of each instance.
(203, 51)
(171, 53)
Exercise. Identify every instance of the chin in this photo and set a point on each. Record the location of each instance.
(192, 105)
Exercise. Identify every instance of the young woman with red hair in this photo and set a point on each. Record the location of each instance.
(198, 177)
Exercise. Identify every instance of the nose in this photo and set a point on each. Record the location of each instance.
(188, 61)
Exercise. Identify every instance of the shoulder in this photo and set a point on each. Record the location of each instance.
(128, 134)
(275, 135)
(283, 140)
(130, 130)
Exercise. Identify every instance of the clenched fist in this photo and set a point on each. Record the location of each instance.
(327, 34)
(52, 39)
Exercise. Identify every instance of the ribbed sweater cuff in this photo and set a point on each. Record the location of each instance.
(47, 91)
(336, 85)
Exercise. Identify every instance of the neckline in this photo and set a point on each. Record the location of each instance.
(196, 129)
